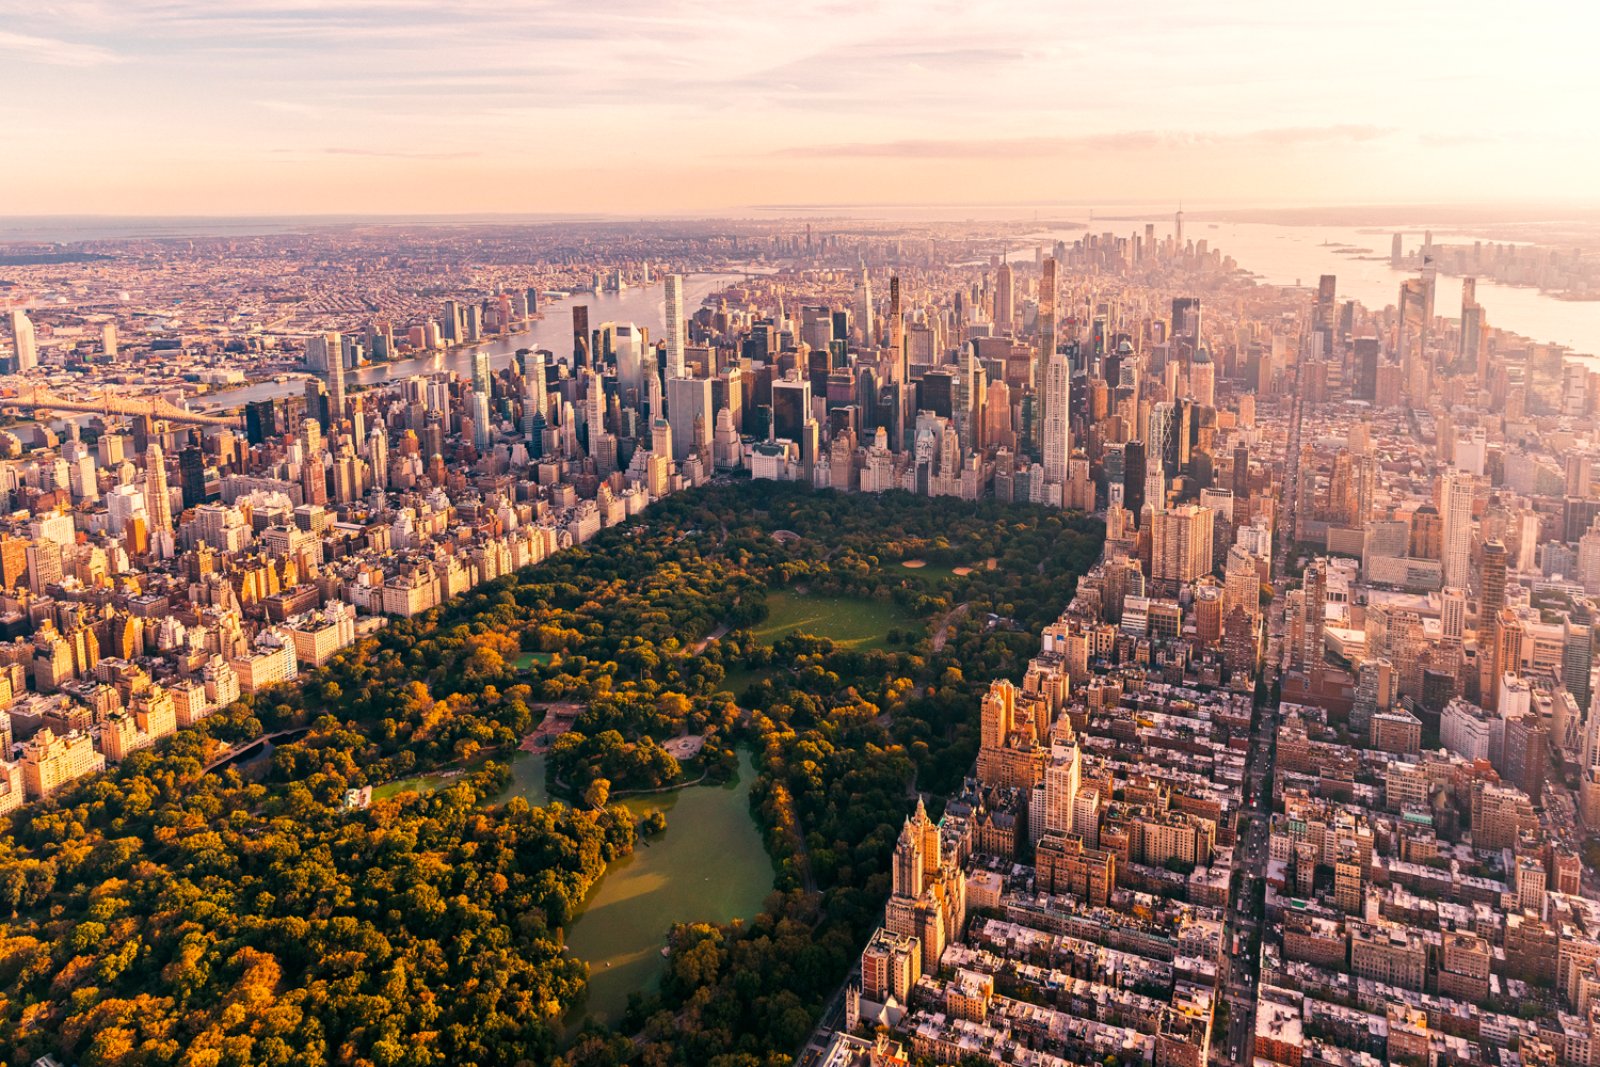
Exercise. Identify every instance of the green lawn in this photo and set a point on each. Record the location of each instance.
(930, 574)
(526, 661)
(851, 622)
(422, 783)
(741, 678)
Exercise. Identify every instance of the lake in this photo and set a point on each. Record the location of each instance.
(708, 866)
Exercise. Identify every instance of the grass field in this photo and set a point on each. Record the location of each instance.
(742, 678)
(422, 783)
(526, 661)
(850, 622)
(929, 574)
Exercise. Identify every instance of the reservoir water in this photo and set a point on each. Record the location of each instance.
(708, 866)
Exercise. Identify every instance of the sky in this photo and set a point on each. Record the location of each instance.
(630, 107)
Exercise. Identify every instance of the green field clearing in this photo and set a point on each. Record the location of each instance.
(848, 621)
(422, 783)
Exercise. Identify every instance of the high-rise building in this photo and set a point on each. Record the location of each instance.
(1412, 339)
(676, 338)
(689, 414)
(158, 504)
(580, 335)
(192, 475)
(1577, 662)
(897, 331)
(864, 307)
(23, 336)
(1056, 438)
(1185, 328)
(1314, 605)
(1492, 587)
(1181, 543)
(482, 375)
(1047, 320)
(534, 375)
(816, 327)
(1005, 299)
(1456, 520)
(260, 421)
(791, 407)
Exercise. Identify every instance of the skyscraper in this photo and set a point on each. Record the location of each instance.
(260, 421)
(192, 475)
(1411, 339)
(333, 373)
(1456, 518)
(23, 335)
(482, 376)
(1056, 439)
(1185, 328)
(1492, 591)
(1047, 335)
(676, 340)
(533, 372)
(897, 330)
(1005, 299)
(580, 335)
(689, 414)
(158, 505)
(864, 306)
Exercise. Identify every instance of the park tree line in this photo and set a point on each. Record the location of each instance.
(158, 914)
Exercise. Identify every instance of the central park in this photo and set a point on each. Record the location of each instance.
(760, 677)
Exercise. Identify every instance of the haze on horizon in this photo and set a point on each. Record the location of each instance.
(401, 106)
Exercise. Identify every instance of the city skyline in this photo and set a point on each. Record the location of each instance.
(294, 106)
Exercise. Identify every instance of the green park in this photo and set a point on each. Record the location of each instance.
(517, 893)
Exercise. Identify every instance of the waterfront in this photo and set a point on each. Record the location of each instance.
(709, 866)
(1281, 254)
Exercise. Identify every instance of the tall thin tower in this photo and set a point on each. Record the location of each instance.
(1457, 521)
(533, 371)
(157, 503)
(1056, 444)
(675, 330)
(864, 306)
(1047, 333)
(335, 374)
(897, 331)
(22, 333)
(1005, 299)
(580, 335)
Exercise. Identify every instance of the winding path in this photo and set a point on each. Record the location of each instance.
(941, 631)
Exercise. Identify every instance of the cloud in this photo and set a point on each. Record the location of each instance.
(1048, 147)
(376, 153)
(54, 51)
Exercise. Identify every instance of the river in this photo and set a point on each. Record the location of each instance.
(708, 866)
(1297, 255)
(643, 305)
